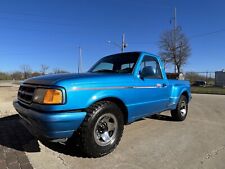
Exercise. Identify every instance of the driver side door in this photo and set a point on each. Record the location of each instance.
(153, 89)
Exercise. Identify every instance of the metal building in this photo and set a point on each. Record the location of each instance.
(220, 78)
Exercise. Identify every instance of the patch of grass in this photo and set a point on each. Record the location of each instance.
(208, 90)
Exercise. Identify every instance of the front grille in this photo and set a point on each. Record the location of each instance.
(26, 93)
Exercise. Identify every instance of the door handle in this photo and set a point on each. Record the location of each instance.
(164, 85)
(161, 85)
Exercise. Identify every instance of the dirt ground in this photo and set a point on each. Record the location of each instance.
(196, 143)
(8, 93)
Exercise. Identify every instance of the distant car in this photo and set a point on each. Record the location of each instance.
(199, 83)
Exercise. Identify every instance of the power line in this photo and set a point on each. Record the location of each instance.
(207, 34)
(190, 37)
(35, 21)
(39, 30)
(33, 15)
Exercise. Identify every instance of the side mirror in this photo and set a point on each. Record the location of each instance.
(147, 71)
(141, 75)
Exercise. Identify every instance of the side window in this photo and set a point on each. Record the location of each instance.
(150, 68)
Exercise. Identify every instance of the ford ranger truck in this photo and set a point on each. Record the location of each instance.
(117, 90)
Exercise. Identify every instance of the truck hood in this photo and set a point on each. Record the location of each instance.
(83, 78)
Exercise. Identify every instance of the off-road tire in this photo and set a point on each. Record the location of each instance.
(89, 145)
(178, 114)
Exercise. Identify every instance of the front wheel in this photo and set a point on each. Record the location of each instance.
(180, 113)
(102, 129)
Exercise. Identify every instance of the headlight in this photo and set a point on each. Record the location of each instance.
(48, 96)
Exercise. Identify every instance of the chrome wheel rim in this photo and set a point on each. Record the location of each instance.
(105, 129)
(183, 108)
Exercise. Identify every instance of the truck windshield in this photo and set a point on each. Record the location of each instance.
(119, 63)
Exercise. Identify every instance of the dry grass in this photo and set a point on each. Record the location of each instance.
(208, 90)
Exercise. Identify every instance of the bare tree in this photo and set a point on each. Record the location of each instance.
(174, 48)
(58, 71)
(44, 69)
(26, 71)
(17, 75)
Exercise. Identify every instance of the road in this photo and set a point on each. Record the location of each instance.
(196, 143)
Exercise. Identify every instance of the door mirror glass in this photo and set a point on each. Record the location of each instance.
(148, 71)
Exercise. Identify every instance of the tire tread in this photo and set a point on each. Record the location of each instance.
(91, 111)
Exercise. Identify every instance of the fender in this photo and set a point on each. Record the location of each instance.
(100, 95)
(176, 92)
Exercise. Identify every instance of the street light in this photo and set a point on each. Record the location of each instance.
(114, 43)
(122, 46)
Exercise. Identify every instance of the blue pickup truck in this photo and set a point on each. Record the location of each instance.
(117, 90)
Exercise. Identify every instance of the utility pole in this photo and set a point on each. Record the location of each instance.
(123, 43)
(80, 61)
(174, 34)
(122, 46)
(175, 18)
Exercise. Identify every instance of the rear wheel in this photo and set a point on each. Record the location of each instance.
(180, 113)
(102, 129)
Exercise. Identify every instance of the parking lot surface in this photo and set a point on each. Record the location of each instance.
(196, 143)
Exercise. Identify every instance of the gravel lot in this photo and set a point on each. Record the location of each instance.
(8, 93)
(198, 142)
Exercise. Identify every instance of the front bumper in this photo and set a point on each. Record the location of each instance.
(50, 125)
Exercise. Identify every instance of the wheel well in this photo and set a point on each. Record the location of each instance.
(186, 95)
(120, 104)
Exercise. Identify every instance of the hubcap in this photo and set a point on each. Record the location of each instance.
(105, 129)
(183, 108)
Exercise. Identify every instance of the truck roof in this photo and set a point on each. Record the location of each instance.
(138, 53)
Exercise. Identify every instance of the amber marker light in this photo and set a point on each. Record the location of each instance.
(48, 96)
(53, 96)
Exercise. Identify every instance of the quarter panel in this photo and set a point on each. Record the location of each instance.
(178, 88)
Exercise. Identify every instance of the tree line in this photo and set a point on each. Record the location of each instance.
(26, 72)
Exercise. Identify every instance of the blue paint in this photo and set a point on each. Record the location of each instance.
(141, 97)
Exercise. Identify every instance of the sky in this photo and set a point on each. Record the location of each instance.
(49, 32)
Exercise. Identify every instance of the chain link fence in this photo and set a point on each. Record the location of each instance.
(207, 77)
